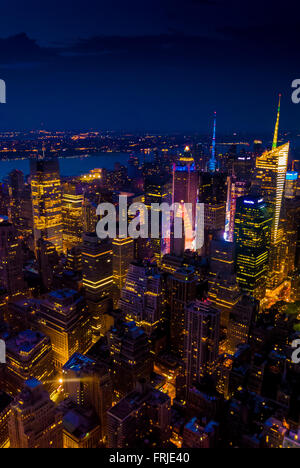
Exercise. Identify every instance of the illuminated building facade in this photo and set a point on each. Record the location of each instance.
(29, 355)
(143, 414)
(271, 169)
(5, 402)
(97, 268)
(291, 182)
(64, 318)
(89, 215)
(182, 290)
(252, 237)
(185, 190)
(142, 299)
(224, 291)
(236, 189)
(11, 259)
(201, 346)
(88, 383)
(34, 421)
(158, 190)
(242, 318)
(212, 164)
(123, 254)
(213, 193)
(72, 212)
(47, 202)
(130, 350)
(81, 428)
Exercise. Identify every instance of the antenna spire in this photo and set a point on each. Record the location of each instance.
(275, 139)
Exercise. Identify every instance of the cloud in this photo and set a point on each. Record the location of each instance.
(20, 49)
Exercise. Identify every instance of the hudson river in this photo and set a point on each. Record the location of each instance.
(70, 166)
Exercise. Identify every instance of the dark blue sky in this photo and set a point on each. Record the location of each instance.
(160, 65)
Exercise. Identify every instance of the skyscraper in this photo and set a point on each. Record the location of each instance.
(142, 298)
(97, 267)
(47, 261)
(72, 212)
(242, 318)
(29, 355)
(34, 421)
(271, 168)
(201, 346)
(144, 414)
(123, 254)
(46, 202)
(212, 164)
(182, 290)
(252, 237)
(11, 259)
(130, 350)
(88, 383)
(158, 190)
(64, 318)
(185, 190)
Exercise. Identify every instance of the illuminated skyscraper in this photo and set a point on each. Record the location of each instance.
(224, 291)
(185, 190)
(29, 355)
(242, 318)
(11, 259)
(132, 360)
(34, 421)
(144, 414)
(142, 297)
(72, 211)
(89, 215)
(97, 267)
(182, 290)
(46, 202)
(212, 164)
(271, 168)
(213, 194)
(158, 190)
(291, 182)
(252, 238)
(201, 345)
(88, 383)
(123, 254)
(236, 189)
(16, 189)
(64, 318)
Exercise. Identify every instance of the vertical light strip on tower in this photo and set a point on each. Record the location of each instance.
(275, 139)
(212, 165)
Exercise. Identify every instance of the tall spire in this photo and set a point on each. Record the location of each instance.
(275, 139)
(212, 164)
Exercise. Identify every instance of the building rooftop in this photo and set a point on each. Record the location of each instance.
(24, 344)
(78, 362)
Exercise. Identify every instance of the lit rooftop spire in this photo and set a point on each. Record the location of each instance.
(275, 139)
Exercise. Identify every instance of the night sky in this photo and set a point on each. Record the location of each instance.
(157, 66)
